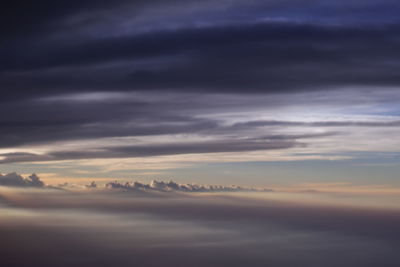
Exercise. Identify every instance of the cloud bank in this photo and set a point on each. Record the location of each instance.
(14, 179)
(128, 75)
(111, 227)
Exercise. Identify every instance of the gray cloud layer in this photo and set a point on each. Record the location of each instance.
(224, 46)
(176, 63)
(154, 150)
(271, 57)
(118, 228)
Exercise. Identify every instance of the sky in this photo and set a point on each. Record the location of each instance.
(246, 92)
(200, 133)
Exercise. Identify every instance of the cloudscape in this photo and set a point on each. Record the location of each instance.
(201, 133)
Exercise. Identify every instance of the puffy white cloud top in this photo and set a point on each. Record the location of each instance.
(172, 186)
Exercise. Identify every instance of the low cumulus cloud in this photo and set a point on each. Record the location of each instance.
(171, 186)
(14, 179)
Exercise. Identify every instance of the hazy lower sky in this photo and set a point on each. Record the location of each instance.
(279, 93)
(53, 227)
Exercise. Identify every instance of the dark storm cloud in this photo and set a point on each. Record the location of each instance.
(23, 16)
(243, 54)
(52, 50)
(264, 57)
(24, 19)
